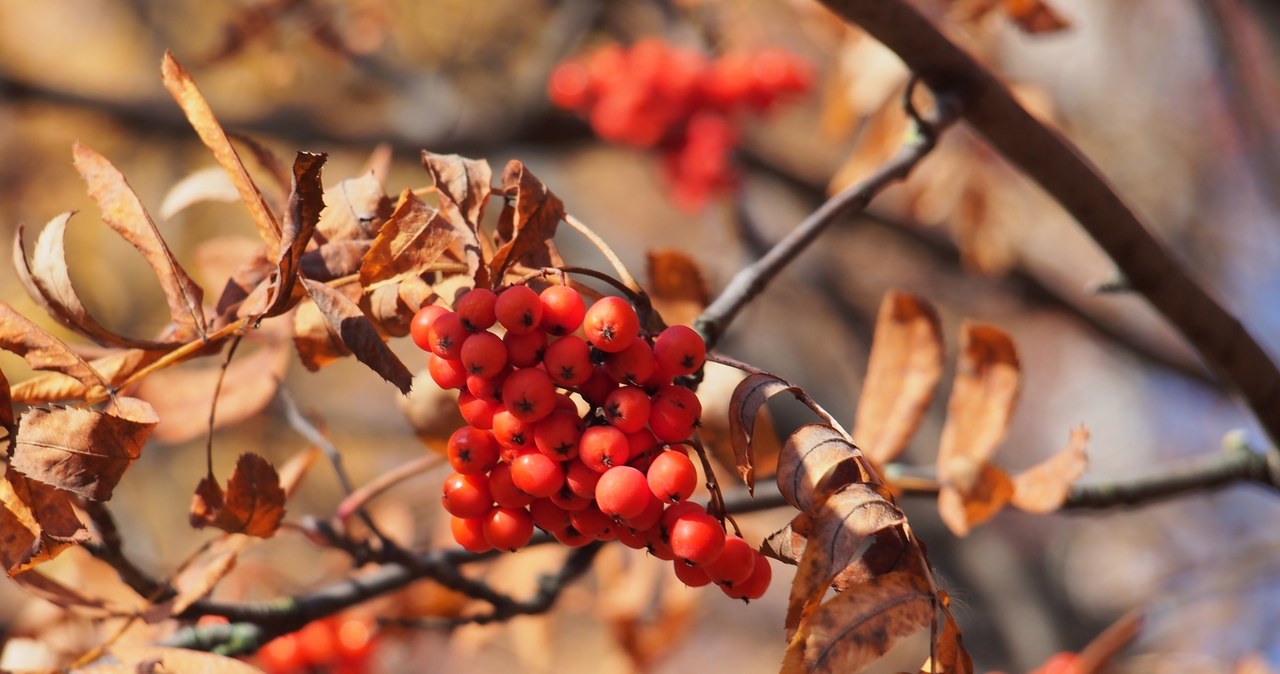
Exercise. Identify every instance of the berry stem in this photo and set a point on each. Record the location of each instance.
(628, 281)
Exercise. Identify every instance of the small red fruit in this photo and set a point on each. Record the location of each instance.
(611, 324)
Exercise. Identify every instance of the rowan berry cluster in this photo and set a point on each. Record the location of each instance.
(575, 425)
(340, 646)
(656, 95)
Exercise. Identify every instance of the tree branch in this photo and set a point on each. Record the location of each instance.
(1049, 159)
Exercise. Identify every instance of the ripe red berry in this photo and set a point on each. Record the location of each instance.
(508, 528)
(469, 533)
(697, 538)
(529, 394)
(518, 309)
(597, 387)
(636, 540)
(420, 325)
(483, 354)
(755, 585)
(466, 495)
(672, 476)
(513, 434)
(472, 451)
(622, 492)
(581, 479)
(562, 310)
(557, 435)
(568, 361)
(627, 409)
(477, 412)
(611, 324)
(447, 334)
(649, 517)
(690, 575)
(316, 642)
(602, 447)
(591, 522)
(569, 86)
(537, 475)
(525, 350)
(734, 564)
(547, 515)
(488, 388)
(475, 308)
(503, 488)
(571, 537)
(445, 372)
(674, 413)
(632, 365)
(568, 500)
(679, 350)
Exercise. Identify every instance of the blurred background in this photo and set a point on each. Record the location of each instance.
(1174, 100)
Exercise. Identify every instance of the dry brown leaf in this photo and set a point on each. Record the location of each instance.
(677, 286)
(207, 184)
(48, 282)
(123, 211)
(7, 420)
(62, 596)
(183, 89)
(195, 581)
(334, 260)
(252, 505)
(353, 209)
(986, 492)
(951, 656)
(814, 457)
(159, 660)
(250, 279)
(53, 387)
(750, 395)
(463, 185)
(43, 351)
(413, 238)
(527, 223)
(788, 543)
(85, 452)
(855, 628)
(389, 313)
(306, 199)
(345, 320)
(317, 346)
(1044, 487)
(902, 373)
(716, 392)
(38, 522)
(182, 396)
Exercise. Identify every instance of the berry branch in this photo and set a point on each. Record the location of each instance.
(1053, 162)
(752, 279)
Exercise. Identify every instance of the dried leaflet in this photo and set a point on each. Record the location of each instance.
(463, 185)
(83, 451)
(855, 628)
(7, 420)
(123, 211)
(353, 209)
(53, 387)
(252, 505)
(1044, 487)
(982, 401)
(306, 200)
(527, 223)
(413, 238)
(677, 286)
(810, 459)
(345, 320)
(332, 261)
(747, 399)
(207, 184)
(38, 522)
(60, 595)
(715, 392)
(902, 373)
(316, 344)
(951, 657)
(183, 89)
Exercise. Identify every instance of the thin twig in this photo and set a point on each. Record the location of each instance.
(213, 404)
(370, 490)
(623, 273)
(751, 280)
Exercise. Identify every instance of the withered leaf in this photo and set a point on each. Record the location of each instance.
(123, 211)
(345, 320)
(1044, 487)
(306, 199)
(83, 451)
(182, 396)
(855, 628)
(114, 368)
(902, 373)
(389, 314)
(716, 391)
(317, 346)
(412, 239)
(7, 420)
(353, 209)
(253, 503)
(60, 595)
(334, 260)
(788, 543)
(159, 660)
(844, 527)
(463, 185)
(976, 493)
(952, 658)
(38, 522)
(196, 580)
(183, 89)
(677, 286)
(49, 283)
(527, 223)
(41, 350)
(207, 184)
(746, 401)
(810, 460)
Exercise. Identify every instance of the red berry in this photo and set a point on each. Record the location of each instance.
(597, 387)
(611, 324)
(316, 642)
(512, 433)
(602, 447)
(525, 350)
(569, 86)
(562, 310)
(672, 477)
(529, 394)
(477, 412)
(547, 515)
(636, 540)
(445, 372)
(755, 584)
(557, 435)
(355, 644)
(632, 365)
(469, 533)
(472, 451)
(508, 528)
(627, 409)
(734, 564)
(679, 350)
(483, 354)
(504, 490)
(674, 413)
(518, 309)
(488, 388)
(282, 656)
(690, 575)
(591, 522)
(697, 538)
(537, 475)
(622, 492)
(581, 479)
(467, 495)
(475, 308)
(649, 517)
(447, 334)
(571, 537)
(568, 361)
(420, 325)
(568, 500)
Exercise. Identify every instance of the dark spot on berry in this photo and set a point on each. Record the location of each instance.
(687, 361)
(566, 372)
(613, 411)
(524, 405)
(608, 332)
(526, 319)
(464, 456)
(517, 438)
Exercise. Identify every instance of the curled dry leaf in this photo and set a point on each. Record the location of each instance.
(357, 332)
(183, 89)
(252, 505)
(412, 239)
(123, 211)
(815, 456)
(527, 222)
(83, 451)
(982, 401)
(902, 373)
(334, 260)
(317, 346)
(463, 186)
(7, 420)
(857, 627)
(306, 200)
(788, 543)
(48, 282)
(53, 387)
(950, 655)
(677, 287)
(353, 209)
(207, 184)
(747, 399)
(1044, 487)
(36, 522)
(716, 392)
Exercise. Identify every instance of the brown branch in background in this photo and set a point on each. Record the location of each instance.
(751, 280)
(1049, 159)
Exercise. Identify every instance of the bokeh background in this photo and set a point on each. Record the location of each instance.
(1174, 100)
